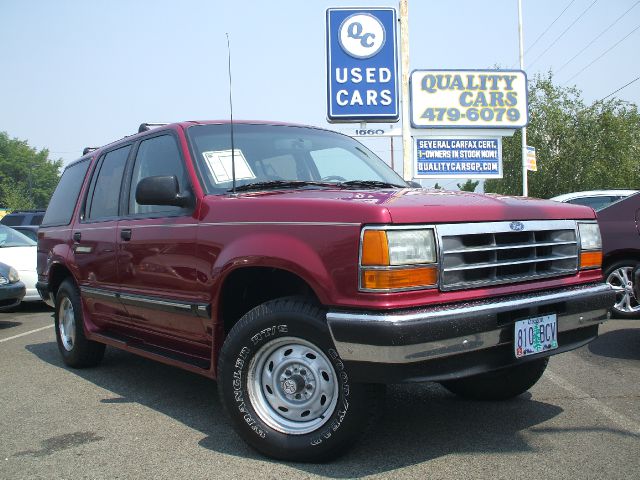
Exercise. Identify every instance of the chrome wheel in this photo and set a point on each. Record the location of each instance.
(621, 280)
(292, 385)
(67, 324)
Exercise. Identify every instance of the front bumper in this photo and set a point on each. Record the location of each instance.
(11, 295)
(452, 341)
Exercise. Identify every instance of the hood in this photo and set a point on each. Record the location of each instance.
(20, 258)
(404, 206)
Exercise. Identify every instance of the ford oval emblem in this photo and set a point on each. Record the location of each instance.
(516, 226)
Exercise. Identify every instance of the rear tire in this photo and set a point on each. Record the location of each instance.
(285, 388)
(501, 384)
(76, 350)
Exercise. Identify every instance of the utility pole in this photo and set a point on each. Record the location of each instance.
(407, 148)
(525, 183)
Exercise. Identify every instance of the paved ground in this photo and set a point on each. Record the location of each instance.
(133, 418)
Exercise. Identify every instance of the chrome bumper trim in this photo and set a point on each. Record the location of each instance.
(596, 299)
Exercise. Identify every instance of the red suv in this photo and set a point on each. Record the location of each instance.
(293, 266)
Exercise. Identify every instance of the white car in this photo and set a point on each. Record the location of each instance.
(596, 199)
(19, 252)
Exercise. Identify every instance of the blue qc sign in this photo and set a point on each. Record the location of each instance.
(362, 73)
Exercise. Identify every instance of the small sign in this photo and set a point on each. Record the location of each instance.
(469, 99)
(362, 73)
(531, 159)
(458, 157)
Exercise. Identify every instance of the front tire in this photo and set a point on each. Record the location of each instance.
(76, 350)
(285, 387)
(501, 384)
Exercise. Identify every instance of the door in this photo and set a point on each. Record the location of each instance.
(157, 254)
(95, 241)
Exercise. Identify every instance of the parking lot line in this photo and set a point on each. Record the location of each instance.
(622, 420)
(25, 333)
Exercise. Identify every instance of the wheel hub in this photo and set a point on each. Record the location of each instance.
(292, 385)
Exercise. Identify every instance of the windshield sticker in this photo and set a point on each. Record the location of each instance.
(219, 164)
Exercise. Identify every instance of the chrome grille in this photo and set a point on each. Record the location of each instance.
(480, 254)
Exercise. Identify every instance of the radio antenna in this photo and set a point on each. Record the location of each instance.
(233, 156)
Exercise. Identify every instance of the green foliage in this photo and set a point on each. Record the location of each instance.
(437, 186)
(578, 147)
(468, 186)
(27, 176)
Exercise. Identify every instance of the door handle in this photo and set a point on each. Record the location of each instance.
(125, 234)
(77, 236)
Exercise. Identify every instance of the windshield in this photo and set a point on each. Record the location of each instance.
(11, 238)
(285, 157)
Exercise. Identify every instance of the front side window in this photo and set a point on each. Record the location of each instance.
(278, 153)
(157, 156)
(65, 197)
(105, 196)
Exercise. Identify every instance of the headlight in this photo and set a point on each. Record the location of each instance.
(410, 247)
(590, 245)
(590, 238)
(13, 275)
(398, 259)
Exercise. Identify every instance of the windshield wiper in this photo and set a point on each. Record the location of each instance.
(275, 184)
(369, 184)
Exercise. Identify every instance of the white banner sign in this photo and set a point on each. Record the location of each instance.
(469, 99)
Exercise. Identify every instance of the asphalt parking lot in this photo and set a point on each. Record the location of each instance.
(133, 418)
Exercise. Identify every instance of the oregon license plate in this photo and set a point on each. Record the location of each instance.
(535, 335)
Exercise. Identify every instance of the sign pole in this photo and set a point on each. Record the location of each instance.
(407, 149)
(525, 183)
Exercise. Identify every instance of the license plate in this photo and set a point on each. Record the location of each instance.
(535, 335)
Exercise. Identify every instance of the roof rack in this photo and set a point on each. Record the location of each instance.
(144, 127)
(88, 149)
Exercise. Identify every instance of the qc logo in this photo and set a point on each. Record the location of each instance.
(362, 35)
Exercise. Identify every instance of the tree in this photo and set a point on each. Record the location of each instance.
(468, 186)
(578, 147)
(27, 176)
(437, 186)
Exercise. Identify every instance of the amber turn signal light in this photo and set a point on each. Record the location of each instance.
(399, 278)
(591, 259)
(375, 248)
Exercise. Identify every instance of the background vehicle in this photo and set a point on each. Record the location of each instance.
(311, 278)
(19, 252)
(11, 288)
(26, 222)
(30, 231)
(620, 229)
(596, 199)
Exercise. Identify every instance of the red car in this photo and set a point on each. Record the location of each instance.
(620, 229)
(294, 267)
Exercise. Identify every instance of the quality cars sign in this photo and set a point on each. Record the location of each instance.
(469, 99)
(362, 76)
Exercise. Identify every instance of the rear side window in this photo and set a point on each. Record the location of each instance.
(105, 195)
(36, 219)
(66, 194)
(13, 220)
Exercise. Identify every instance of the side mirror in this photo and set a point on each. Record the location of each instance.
(162, 190)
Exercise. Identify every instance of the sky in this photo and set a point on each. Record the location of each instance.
(85, 73)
